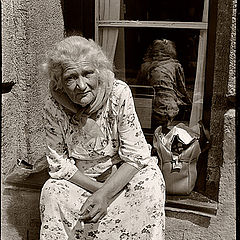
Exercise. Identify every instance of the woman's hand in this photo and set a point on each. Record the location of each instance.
(95, 207)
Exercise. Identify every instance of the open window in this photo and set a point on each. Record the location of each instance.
(125, 32)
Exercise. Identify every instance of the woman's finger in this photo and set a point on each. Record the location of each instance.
(98, 217)
(90, 213)
(85, 207)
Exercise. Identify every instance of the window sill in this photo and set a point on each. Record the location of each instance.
(195, 203)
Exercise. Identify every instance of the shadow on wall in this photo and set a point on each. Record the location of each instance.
(202, 221)
(22, 214)
(20, 206)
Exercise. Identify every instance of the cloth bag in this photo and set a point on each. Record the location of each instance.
(178, 152)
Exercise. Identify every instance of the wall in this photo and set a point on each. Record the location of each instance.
(29, 28)
(221, 158)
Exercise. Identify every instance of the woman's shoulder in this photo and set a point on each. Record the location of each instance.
(120, 93)
(120, 88)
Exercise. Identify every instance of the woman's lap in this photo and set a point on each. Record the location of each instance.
(137, 213)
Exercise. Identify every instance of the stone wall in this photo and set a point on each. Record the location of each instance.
(220, 101)
(29, 28)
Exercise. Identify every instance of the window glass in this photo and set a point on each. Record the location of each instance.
(164, 10)
(136, 44)
(75, 13)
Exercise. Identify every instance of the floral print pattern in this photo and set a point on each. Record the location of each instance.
(114, 136)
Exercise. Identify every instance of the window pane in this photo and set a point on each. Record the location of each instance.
(135, 45)
(75, 13)
(164, 10)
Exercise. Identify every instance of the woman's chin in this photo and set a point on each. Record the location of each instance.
(82, 102)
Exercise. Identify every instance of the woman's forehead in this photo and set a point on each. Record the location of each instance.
(81, 64)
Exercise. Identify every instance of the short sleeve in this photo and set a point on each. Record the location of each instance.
(61, 167)
(133, 147)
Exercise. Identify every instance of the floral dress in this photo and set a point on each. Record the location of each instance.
(114, 136)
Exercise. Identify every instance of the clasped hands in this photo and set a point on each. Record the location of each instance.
(95, 207)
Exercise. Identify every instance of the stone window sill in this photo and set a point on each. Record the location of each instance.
(195, 203)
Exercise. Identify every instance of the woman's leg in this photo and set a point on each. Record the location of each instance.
(59, 208)
(137, 213)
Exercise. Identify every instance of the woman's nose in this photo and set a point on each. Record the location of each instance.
(81, 84)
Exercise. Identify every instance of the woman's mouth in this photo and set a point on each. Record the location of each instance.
(82, 93)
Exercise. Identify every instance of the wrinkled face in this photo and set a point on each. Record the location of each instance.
(80, 82)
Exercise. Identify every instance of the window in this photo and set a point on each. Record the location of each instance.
(125, 32)
(126, 28)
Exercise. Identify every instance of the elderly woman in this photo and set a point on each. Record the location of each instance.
(104, 183)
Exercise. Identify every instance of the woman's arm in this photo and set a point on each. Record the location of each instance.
(96, 205)
(62, 167)
(117, 181)
(133, 150)
(85, 182)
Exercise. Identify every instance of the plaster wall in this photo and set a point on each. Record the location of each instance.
(29, 28)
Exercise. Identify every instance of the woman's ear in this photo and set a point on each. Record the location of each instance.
(58, 81)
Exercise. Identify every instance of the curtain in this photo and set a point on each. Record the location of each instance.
(198, 94)
(109, 10)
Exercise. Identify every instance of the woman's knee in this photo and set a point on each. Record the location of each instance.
(151, 177)
(52, 189)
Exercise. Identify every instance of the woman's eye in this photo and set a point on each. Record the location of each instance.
(70, 80)
(87, 73)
